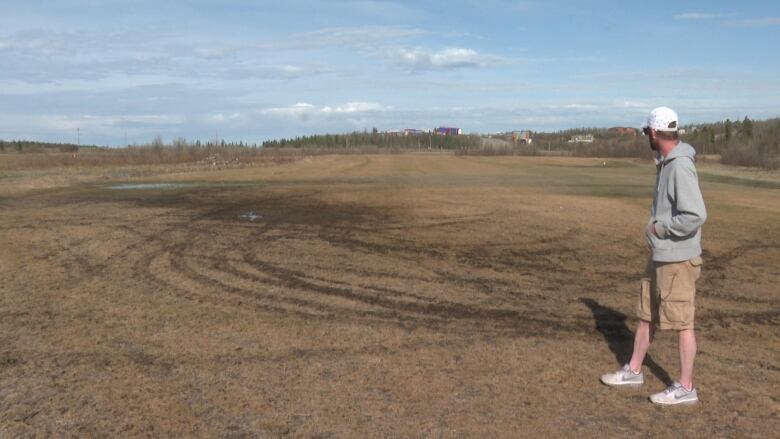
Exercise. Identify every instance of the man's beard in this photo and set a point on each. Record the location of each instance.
(652, 145)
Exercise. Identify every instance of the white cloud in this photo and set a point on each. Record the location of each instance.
(343, 36)
(451, 58)
(757, 22)
(210, 52)
(697, 16)
(746, 22)
(226, 118)
(35, 42)
(300, 110)
(353, 107)
(152, 119)
(634, 104)
(581, 106)
(304, 110)
(41, 56)
(248, 70)
(105, 123)
(350, 37)
(87, 43)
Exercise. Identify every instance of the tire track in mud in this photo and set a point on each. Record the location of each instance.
(182, 287)
(725, 319)
(178, 257)
(434, 315)
(169, 260)
(218, 212)
(716, 268)
(91, 270)
(210, 289)
(306, 295)
(403, 307)
(125, 352)
(548, 257)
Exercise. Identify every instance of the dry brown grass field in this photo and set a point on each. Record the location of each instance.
(404, 295)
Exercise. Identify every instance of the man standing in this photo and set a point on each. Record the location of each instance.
(666, 299)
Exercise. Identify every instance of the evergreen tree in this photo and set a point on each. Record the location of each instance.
(747, 128)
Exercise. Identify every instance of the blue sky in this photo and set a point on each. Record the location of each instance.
(253, 70)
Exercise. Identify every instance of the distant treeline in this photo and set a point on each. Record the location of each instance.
(424, 141)
(745, 143)
(179, 151)
(178, 144)
(157, 152)
(33, 146)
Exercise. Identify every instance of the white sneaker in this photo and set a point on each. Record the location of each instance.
(675, 394)
(623, 377)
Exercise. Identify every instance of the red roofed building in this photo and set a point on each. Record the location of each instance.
(624, 131)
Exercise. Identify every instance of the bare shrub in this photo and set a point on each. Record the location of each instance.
(756, 144)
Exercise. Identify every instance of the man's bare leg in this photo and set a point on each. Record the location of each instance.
(642, 340)
(687, 356)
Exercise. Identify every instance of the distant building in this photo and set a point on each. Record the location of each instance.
(448, 131)
(624, 131)
(581, 138)
(413, 132)
(523, 137)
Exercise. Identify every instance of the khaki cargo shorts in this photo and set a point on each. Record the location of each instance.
(666, 298)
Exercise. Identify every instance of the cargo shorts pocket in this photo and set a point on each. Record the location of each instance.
(678, 283)
(677, 315)
(694, 266)
(644, 310)
(678, 291)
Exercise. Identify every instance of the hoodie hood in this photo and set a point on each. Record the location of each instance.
(681, 150)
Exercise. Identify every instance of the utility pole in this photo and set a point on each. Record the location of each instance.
(78, 137)
(126, 144)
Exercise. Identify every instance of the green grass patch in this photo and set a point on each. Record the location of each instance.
(739, 181)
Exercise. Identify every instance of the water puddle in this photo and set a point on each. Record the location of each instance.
(181, 185)
(128, 186)
(251, 216)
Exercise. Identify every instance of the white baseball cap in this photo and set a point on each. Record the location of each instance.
(662, 119)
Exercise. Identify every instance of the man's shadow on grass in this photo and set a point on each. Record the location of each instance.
(612, 325)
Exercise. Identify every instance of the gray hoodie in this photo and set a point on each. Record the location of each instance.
(678, 210)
